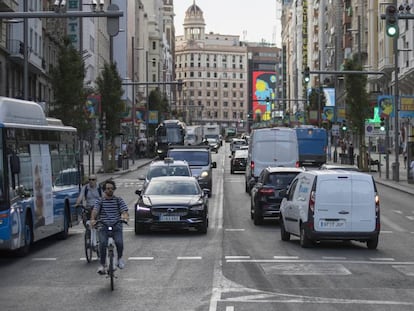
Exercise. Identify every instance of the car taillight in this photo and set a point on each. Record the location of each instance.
(252, 166)
(297, 164)
(266, 191)
(377, 213)
(312, 202)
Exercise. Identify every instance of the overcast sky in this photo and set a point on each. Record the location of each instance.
(251, 20)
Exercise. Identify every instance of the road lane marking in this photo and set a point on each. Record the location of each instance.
(234, 230)
(237, 257)
(333, 258)
(373, 261)
(140, 258)
(44, 259)
(383, 259)
(285, 257)
(189, 257)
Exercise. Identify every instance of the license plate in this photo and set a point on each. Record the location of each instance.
(169, 218)
(331, 224)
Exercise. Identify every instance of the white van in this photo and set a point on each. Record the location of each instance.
(277, 146)
(331, 205)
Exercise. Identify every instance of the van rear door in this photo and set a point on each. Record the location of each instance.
(363, 204)
(333, 203)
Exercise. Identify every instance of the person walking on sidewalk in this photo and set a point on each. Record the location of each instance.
(110, 209)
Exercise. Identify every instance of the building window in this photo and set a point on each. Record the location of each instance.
(225, 104)
(225, 115)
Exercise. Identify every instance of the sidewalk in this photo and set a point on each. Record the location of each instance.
(94, 167)
(381, 177)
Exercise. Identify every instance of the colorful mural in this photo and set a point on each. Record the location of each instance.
(264, 94)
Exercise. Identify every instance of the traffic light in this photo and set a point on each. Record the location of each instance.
(344, 126)
(391, 20)
(306, 75)
(21, 48)
(382, 124)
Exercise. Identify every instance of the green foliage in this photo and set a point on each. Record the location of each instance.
(158, 102)
(67, 84)
(110, 88)
(357, 99)
(315, 96)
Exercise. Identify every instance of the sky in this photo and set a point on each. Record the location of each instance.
(251, 20)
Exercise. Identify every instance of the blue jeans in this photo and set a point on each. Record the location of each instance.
(103, 241)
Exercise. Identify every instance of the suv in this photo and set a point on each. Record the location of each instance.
(166, 167)
(266, 194)
(199, 160)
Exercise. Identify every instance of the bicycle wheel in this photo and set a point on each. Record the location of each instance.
(111, 267)
(88, 245)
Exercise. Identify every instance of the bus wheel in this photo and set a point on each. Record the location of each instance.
(27, 238)
(65, 232)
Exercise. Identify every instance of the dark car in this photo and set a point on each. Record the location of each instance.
(200, 161)
(267, 193)
(238, 160)
(214, 144)
(172, 202)
(166, 167)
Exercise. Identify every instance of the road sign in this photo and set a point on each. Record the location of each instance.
(371, 130)
(335, 130)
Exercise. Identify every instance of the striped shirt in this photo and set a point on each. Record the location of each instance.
(110, 209)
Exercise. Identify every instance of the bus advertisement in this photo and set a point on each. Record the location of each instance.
(39, 177)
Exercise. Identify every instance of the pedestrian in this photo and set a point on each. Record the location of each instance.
(110, 209)
(131, 151)
(405, 154)
(88, 195)
(351, 153)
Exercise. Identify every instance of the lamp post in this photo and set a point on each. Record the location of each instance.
(396, 164)
(25, 54)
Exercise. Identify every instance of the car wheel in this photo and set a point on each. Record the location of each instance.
(246, 188)
(284, 235)
(305, 242)
(257, 217)
(231, 170)
(204, 227)
(373, 244)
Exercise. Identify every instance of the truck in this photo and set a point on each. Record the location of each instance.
(313, 143)
(167, 133)
(194, 135)
(212, 131)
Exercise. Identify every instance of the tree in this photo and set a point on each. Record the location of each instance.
(67, 84)
(110, 88)
(157, 102)
(357, 102)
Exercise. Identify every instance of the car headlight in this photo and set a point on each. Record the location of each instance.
(204, 174)
(197, 207)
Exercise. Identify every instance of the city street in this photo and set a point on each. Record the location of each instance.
(236, 266)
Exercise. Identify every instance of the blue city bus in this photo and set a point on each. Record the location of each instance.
(313, 143)
(39, 177)
(168, 133)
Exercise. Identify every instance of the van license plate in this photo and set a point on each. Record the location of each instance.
(169, 218)
(331, 224)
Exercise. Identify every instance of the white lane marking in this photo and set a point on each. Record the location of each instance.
(370, 262)
(234, 230)
(386, 232)
(140, 258)
(44, 259)
(410, 217)
(285, 257)
(189, 257)
(333, 258)
(382, 259)
(397, 212)
(237, 257)
(229, 308)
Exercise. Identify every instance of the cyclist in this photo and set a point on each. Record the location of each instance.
(110, 209)
(89, 193)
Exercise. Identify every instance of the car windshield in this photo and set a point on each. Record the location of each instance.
(193, 157)
(158, 187)
(168, 171)
(280, 181)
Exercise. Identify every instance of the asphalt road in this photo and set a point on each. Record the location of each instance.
(236, 266)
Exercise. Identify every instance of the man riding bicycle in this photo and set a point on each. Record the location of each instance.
(110, 209)
(88, 196)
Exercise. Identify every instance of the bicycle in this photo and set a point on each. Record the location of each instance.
(110, 254)
(90, 238)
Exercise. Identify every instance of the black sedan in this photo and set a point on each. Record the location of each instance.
(238, 161)
(266, 194)
(172, 202)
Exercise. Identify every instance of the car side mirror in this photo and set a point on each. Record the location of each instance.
(213, 164)
(138, 192)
